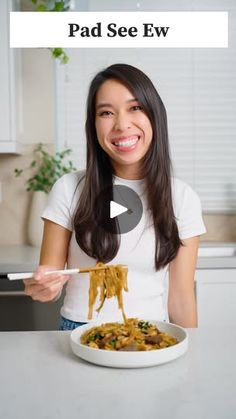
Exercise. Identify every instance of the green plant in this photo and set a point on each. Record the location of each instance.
(54, 6)
(47, 169)
(51, 5)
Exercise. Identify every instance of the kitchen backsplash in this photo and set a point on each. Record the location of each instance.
(15, 204)
(220, 227)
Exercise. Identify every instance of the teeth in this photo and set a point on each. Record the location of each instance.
(126, 143)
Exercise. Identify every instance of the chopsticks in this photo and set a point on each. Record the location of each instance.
(28, 275)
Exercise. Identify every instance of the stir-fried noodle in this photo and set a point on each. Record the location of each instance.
(111, 281)
(134, 335)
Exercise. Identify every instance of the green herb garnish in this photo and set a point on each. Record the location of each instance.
(144, 325)
(113, 342)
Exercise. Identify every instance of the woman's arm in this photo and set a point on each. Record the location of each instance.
(181, 297)
(53, 256)
(55, 243)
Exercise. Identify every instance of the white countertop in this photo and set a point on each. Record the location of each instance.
(41, 378)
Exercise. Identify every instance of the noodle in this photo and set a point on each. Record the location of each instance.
(111, 280)
(134, 335)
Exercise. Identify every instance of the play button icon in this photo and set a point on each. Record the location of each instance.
(118, 209)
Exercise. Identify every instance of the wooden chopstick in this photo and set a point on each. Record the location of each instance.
(98, 268)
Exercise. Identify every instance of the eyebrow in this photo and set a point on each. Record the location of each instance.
(104, 104)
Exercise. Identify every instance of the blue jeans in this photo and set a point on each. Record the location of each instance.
(66, 324)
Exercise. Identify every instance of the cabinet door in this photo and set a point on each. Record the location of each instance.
(10, 97)
(216, 296)
(4, 75)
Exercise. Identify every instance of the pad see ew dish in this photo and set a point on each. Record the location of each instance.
(133, 335)
(130, 358)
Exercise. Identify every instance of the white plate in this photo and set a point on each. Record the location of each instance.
(137, 359)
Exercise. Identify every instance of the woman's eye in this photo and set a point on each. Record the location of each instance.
(137, 108)
(105, 113)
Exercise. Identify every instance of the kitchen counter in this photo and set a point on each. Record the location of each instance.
(18, 258)
(17, 310)
(41, 378)
(216, 255)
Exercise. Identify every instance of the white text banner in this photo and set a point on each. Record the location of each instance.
(119, 29)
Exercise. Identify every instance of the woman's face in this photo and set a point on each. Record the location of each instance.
(123, 129)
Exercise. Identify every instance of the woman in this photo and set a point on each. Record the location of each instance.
(127, 144)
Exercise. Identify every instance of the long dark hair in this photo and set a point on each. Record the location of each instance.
(156, 169)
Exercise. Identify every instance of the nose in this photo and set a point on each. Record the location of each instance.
(122, 121)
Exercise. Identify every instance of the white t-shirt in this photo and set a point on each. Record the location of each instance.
(146, 298)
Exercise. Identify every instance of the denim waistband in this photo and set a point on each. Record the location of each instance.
(66, 324)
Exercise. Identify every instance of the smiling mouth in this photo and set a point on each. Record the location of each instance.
(127, 143)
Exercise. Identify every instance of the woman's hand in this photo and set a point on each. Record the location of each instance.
(53, 256)
(45, 287)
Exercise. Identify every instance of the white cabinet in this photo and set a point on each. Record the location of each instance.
(10, 85)
(216, 296)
